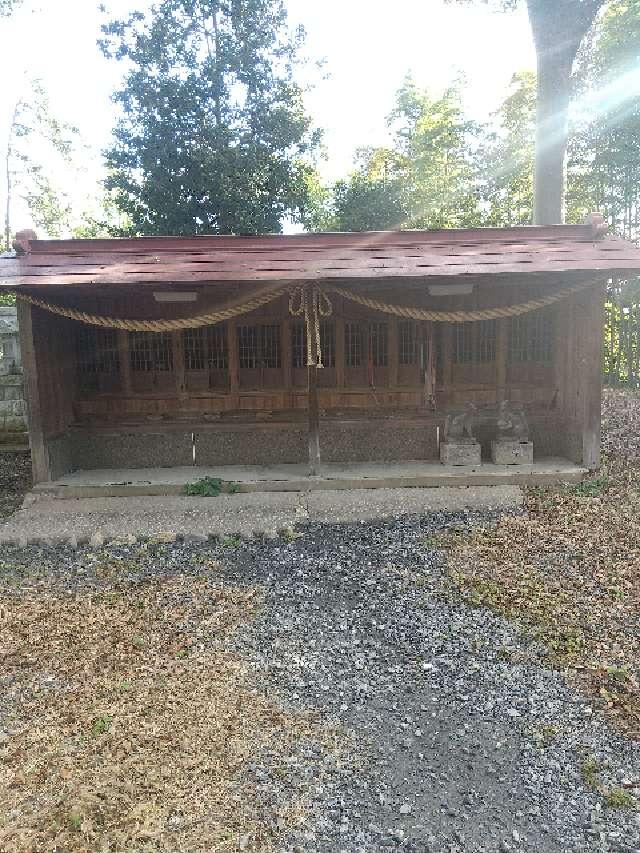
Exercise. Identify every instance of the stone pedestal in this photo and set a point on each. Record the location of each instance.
(463, 453)
(505, 451)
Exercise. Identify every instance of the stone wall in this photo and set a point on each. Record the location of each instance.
(13, 408)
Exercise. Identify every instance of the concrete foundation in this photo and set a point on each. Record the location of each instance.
(454, 453)
(506, 452)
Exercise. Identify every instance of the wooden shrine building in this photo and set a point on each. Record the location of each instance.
(163, 351)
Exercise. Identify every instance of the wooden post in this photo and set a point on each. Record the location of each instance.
(287, 359)
(234, 374)
(339, 344)
(124, 358)
(448, 333)
(314, 411)
(28, 347)
(177, 347)
(502, 354)
(589, 373)
(394, 353)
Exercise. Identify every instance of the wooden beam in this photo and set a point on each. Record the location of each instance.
(29, 347)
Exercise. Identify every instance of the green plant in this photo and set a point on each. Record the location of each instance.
(205, 487)
(231, 542)
(289, 534)
(74, 820)
(589, 488)
(618, 798)
(101, 725)
(210, 487)
(590, 768)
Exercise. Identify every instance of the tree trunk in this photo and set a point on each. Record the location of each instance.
(558, 28)
(554, 92)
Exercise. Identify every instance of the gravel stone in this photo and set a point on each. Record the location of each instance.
(433, 710)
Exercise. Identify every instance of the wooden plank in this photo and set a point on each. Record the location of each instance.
(29, 350)
(174, 268)
(621, 266)
(376, 238)
(99, 261)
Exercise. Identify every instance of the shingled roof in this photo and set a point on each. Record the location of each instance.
(317, 257)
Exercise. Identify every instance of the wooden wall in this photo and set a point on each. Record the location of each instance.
(375, 362)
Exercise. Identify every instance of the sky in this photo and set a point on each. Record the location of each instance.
(368, 46)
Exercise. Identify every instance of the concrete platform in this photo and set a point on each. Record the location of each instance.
(159, 482)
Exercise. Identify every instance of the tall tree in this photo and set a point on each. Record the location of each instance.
(7, 7)
(425, 179)
(508, 156)
(558, 28)
(36, 136)
(213, 136)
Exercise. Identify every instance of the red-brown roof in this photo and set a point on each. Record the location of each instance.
(313, 257)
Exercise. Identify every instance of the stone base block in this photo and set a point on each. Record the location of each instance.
(506, 452)
(459, 454)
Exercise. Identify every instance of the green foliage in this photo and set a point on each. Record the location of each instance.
(213, 137)
(210, 487)
(592, 488)
(508, 156)
(427, 179)
(33, 128)
(101, 725)
(619, 798)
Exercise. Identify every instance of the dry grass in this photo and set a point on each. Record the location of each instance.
(132, 723)
(569, 570)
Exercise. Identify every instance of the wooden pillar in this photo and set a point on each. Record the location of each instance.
(448, 332)
(394, 353)
(287, 359)
(502, 355)
(340, 346)
(29, 349)
(314, 411)
(177, 347)
(124, 358)
(589, 319)
(234, 374)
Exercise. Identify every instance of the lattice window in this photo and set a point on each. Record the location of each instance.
(474, 343)
(96, 356)
(379, 344)
(151, 352)
(353, 344)
(206, 348)
(531, 337)
(327, 344)
(408, 342)
(298, 345)
(259, 346)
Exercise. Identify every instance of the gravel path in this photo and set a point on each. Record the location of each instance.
(459, 740)
(463, 740)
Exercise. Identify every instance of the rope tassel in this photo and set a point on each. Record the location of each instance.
(312, 303)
